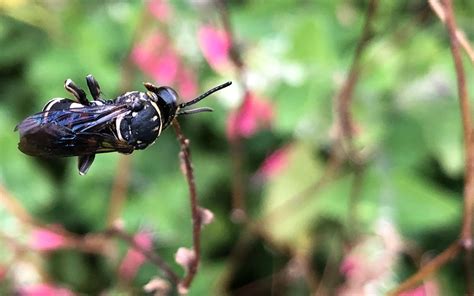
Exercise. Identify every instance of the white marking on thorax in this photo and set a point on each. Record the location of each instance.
(76, 105)
(51, 103)
(118, 121)
(159, 115)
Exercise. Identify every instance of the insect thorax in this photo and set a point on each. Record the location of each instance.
(143, 125)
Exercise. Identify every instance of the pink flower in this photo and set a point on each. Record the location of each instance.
(44, 290)
(134, 259)
(274, 164)
(250, 117)
(160, 10)
(349, 266)
(43, 239)
(187, 84)
(215, 45)
(165, 66)
(157, 58)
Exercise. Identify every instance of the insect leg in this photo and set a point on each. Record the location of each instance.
(94, 87)
(84, 163)
(78, 93)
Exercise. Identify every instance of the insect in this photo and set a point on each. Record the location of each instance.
(83, 128)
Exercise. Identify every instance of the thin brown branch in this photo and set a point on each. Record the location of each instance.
(345, 96)
(185, 156)
(295, 202)
(356, 189)
(239, 212)
(466, 233)
(15, 208)
(460, 36)
(150, 255)
(432, 266)
(467, 127)
(235, 55)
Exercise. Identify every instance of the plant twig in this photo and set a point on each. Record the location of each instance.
(432, 266)
(345, 122)
(185, 156)
(466, 233)
(344, 98)
(460, 36)
(239, 213)
(15, 208)
(465, 240)
(150, 255)
(295, 202)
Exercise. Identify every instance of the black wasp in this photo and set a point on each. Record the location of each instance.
(83, 128)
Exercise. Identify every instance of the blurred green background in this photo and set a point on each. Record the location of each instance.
(296, 54)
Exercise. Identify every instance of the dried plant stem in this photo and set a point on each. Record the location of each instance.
(15, 208)
(466, 240)
(432, 266)
(294, 203)
(466, 233)
(185, 156)
(344, 98)
(150, 255)
(460, 36)
(239, 212)
(343, 101)
(467, 127)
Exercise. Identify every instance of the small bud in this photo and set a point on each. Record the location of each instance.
(47, 239)
(206, 216)
(182, 290)
(157, 285)
(118, 224)
(185, 257)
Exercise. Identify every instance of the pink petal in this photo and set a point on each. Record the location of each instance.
(187, 85)
(215, 45)
(165, 67)
(43, 239)
(349, 266)
(134, 259)
(44, 290)
(156, 57)
(152, 54)
(250, 117)
(160, 10)
(274, 163)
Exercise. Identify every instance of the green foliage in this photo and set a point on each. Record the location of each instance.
(407, 123)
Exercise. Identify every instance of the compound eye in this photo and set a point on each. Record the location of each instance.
(168, 95)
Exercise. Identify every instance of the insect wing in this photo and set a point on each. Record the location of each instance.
(72, 132)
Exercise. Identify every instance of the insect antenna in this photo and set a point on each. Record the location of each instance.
(196, 110)
(206, 94)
